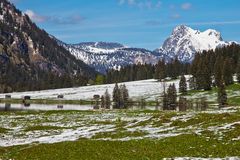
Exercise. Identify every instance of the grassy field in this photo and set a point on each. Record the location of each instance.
(180, 146)
(233, 92)
(122, 134)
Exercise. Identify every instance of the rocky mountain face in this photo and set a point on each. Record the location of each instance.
(28, 52)
(23, 43)
(183, 43)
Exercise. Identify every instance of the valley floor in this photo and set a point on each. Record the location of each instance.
(149, 89)
(120, 134)
(123, 134)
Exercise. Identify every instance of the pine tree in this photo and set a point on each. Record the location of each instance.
(124, 96)
(218, 71)
(228, 72)
(238, 72)
(222, 95)
(183, 85)
(203, 76)
(116, 97)
(172, 97)
(103, 103)
(160, 72)
(107, 100)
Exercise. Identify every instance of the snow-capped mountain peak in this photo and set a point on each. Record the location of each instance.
(184, 42)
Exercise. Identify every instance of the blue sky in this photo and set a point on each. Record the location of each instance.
(135, 23)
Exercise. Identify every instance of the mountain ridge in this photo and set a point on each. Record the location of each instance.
(183, 43)
(112, 56)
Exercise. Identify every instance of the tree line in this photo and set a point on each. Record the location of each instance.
(161, 70)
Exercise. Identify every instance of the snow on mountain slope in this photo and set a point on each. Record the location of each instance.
(99, 47)
(185, 42)
(104, 56)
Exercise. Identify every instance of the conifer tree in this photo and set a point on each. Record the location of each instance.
(103, 104)
(228, 72)
(107, 100)
(160, 72)
(238, 72)
(124, 98)
(172, 97)
(207, 78)
(116, 97)
(218, 71)
(183, 85)
(165, 101)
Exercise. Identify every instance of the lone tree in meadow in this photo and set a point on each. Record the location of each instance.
(183, 85)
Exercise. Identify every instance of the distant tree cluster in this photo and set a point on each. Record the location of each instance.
(120, 97)
(211, 68)
(161, 70)
(130, 73)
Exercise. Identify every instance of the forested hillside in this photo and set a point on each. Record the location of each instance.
(31, 60)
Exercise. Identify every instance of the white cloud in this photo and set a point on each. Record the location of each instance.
(176, 16)
(34, 17)
(59, 20)
(131, 2)
(149, 4)
(121, 2)
(186, 6)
